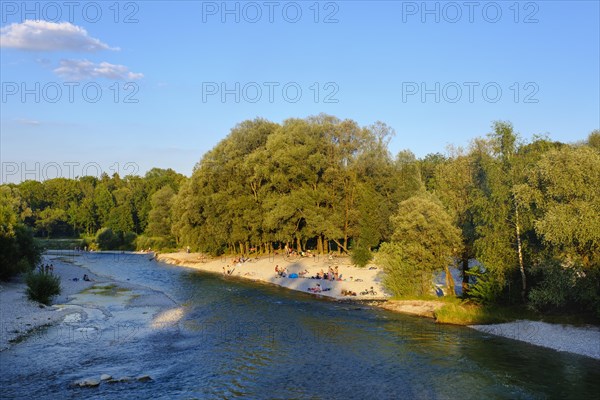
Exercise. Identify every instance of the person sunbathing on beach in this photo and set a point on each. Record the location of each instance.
(316, 289)
(281, 272)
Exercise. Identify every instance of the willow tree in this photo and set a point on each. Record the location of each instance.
(564, 191)
(425, 241)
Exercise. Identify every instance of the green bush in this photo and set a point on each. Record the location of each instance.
(106, 239)
(401, 277)
(361, 256)
(128, 242)
(41, 287)
(155, 243)
(486, 289)
(564, 289)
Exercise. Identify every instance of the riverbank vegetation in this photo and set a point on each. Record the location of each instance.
(18, 251)
(42, 286)
(528, 212)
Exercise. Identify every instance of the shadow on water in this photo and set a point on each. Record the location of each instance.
(237, 339)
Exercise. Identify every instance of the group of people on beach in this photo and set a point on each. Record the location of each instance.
(332, 274)
(85, 278)
(240, 260)
(46, 268)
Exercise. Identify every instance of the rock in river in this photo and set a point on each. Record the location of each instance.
(89, 382)
(144, 378)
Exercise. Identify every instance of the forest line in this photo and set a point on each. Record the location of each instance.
(528, 212)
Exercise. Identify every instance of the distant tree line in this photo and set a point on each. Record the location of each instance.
(111, 212)
(527, 212)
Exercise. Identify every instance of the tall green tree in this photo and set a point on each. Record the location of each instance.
(424, 240)
(564, 191)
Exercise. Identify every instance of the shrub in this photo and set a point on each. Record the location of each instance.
(401, 277)
(566, 288)
(106, 239)
(361, 256)
(486, 289)
(41, 287)
(128, 241)
(155, 243)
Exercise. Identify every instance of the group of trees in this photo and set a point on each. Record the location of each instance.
(527, 212)
(113, 210)
(18, 251)
(319, 183)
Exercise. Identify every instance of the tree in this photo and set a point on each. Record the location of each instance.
(52, 220)
(425, 239)
(18, 251)
(564, 190)
(594, 139)
(159, 218)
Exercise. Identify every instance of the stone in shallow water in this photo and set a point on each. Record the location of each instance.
(89, 382)
(105, 377)
(120, 380)
(144, 378)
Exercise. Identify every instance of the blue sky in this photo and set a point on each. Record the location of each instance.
(439, 73)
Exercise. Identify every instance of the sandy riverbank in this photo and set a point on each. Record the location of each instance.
(19, 315)
(82, 305)
(263, 270)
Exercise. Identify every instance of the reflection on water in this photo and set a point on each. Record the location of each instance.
(229, 339)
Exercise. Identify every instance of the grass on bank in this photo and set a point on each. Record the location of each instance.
(464, 312)
(60, 244)
(457, 311)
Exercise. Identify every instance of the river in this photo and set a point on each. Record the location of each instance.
(221, 338)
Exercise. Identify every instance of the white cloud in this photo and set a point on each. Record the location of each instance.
(83, 69)
(29, 122)
(49, 36)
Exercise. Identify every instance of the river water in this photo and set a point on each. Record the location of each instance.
(220, 338)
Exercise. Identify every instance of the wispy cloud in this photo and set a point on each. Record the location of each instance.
(28, 122)
(79, 70)
(49, 36)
